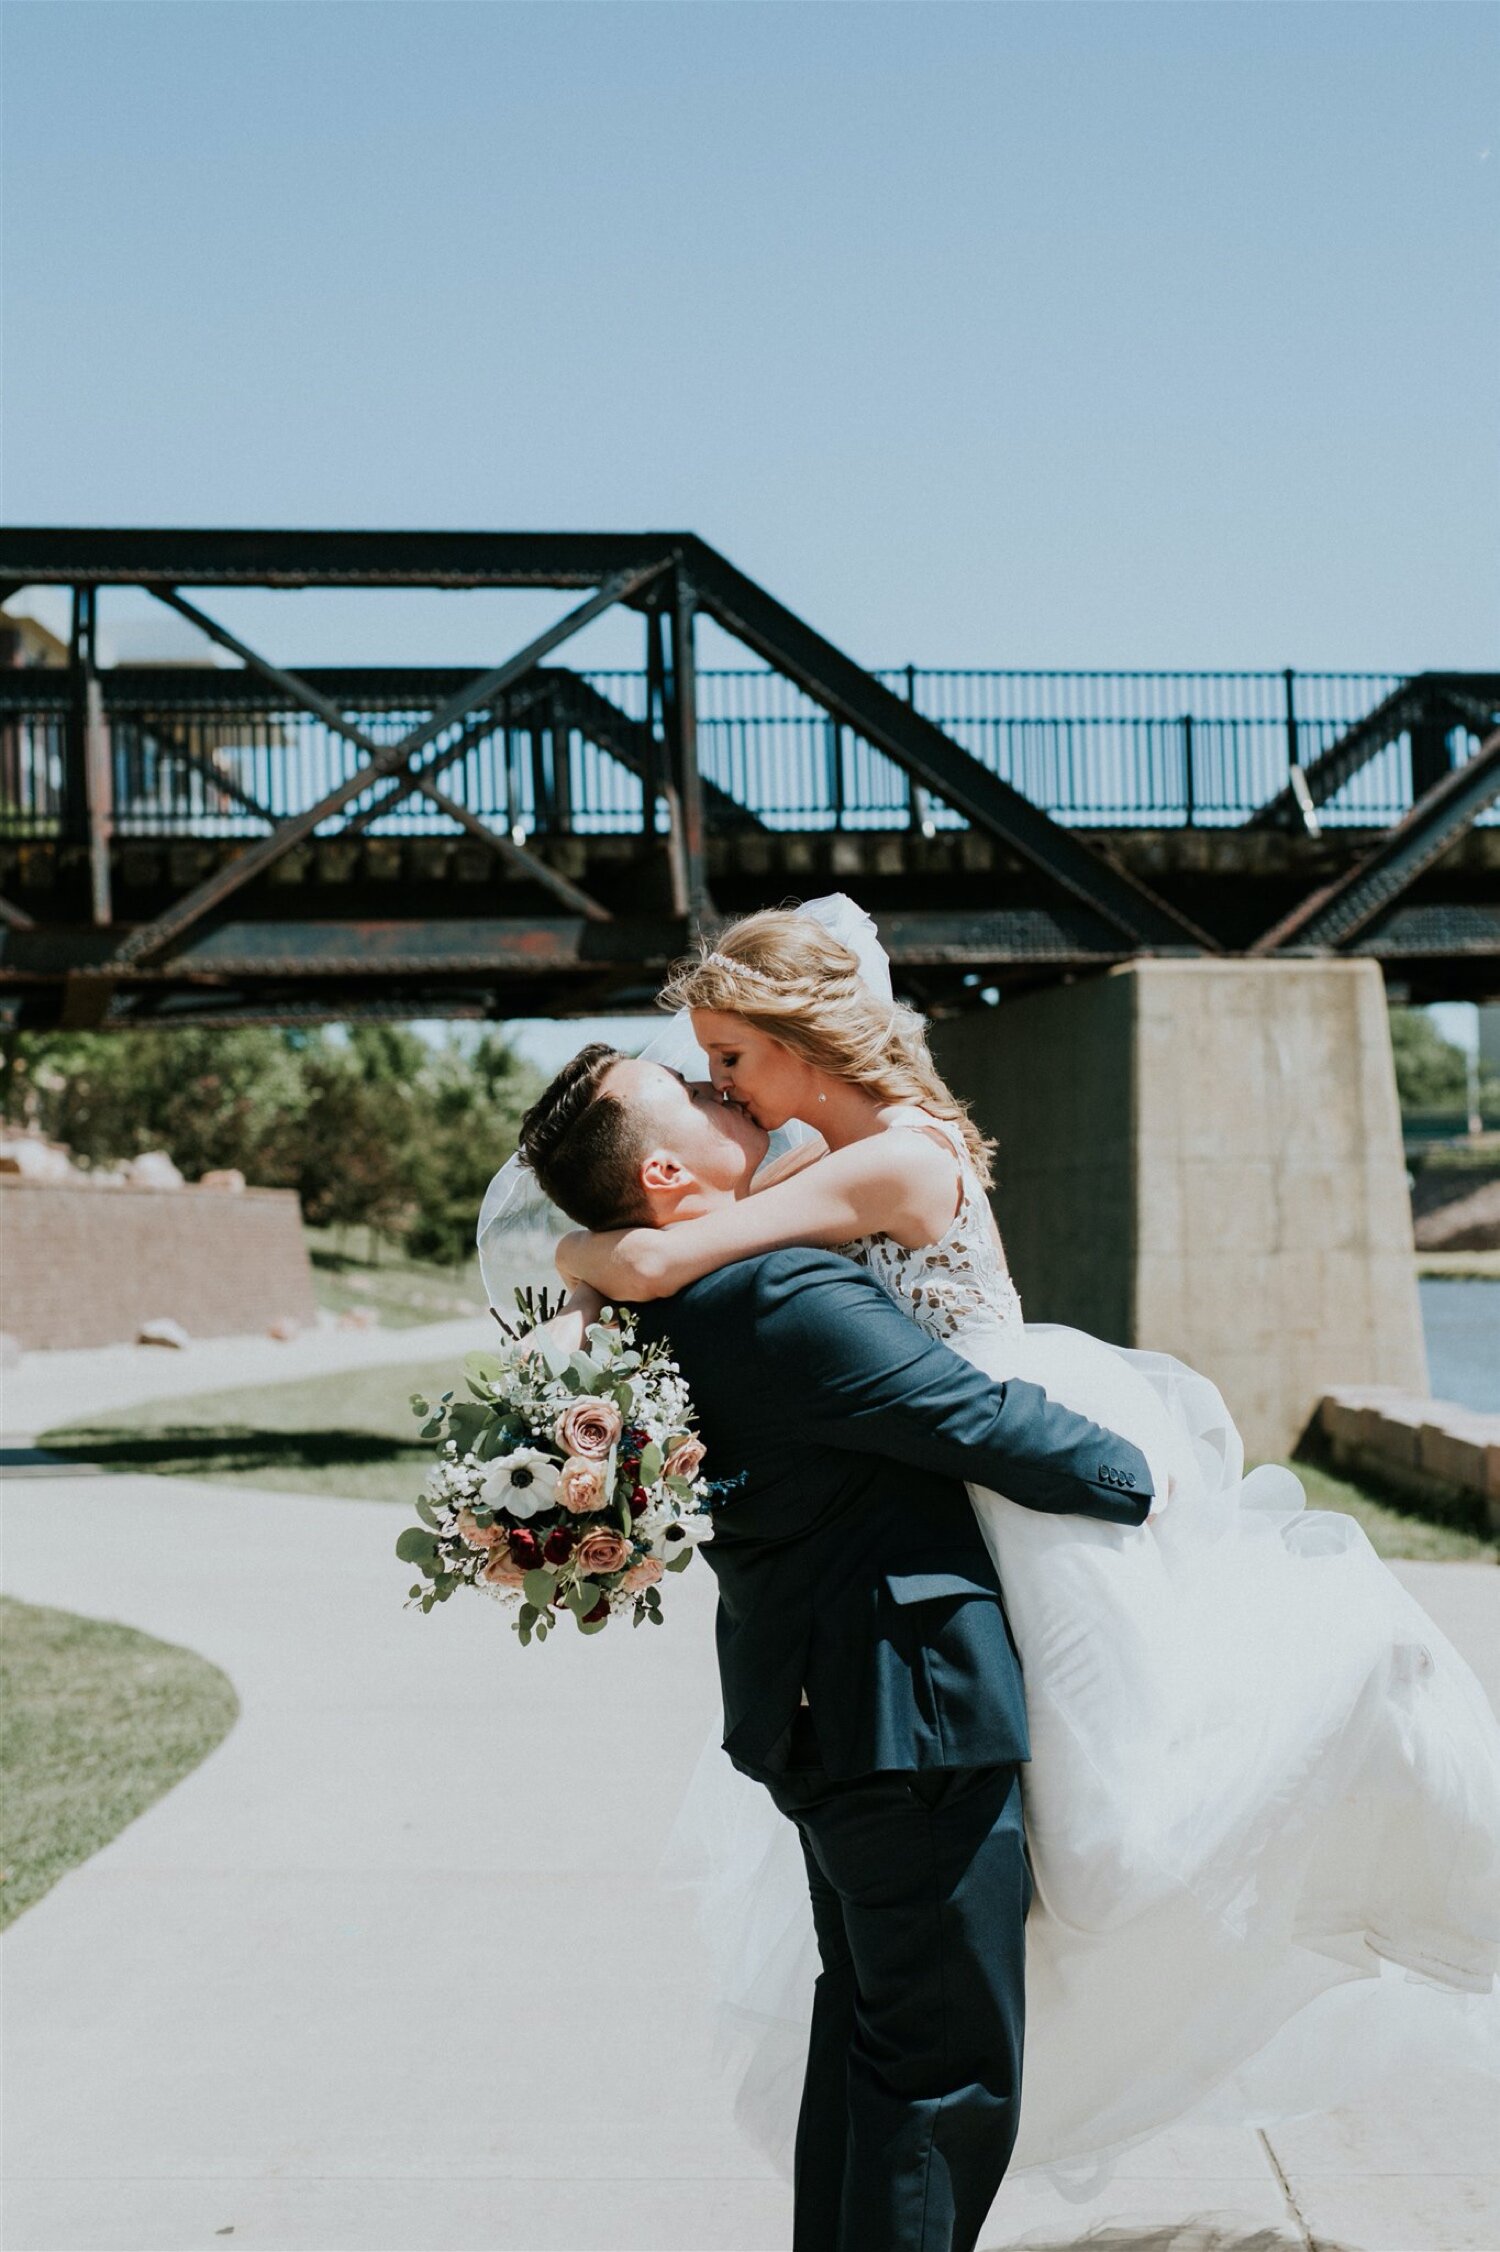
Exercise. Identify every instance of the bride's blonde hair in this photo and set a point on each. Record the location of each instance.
(790, 978)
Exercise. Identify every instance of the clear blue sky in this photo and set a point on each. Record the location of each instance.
(1063, 334)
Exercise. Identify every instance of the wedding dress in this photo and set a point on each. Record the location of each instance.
(1263, 1804)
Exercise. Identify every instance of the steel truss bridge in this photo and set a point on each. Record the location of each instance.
(237, 843)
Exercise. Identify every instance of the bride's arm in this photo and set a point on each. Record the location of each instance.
(903, 1185)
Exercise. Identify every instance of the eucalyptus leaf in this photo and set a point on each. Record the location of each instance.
(484, 1368)
(426, 1512)
(415, 1545)
(681, 1561)
(651, 1462)
(419, 1406)
(466, 1419)
(537, 1588)
(592, 1626)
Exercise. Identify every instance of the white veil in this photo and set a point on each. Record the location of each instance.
(517, 1219)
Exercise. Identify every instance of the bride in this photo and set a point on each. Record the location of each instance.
(1263, 1805)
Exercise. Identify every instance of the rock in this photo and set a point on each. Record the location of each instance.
(285, 1327)
(154, 1170)
(228, 1178)
(162, 1330)
(359, 1317)
(34, 1159)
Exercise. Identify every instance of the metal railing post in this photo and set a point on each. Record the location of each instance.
(1189, 795)
(918, 805)
(835, 744)
(689, 875)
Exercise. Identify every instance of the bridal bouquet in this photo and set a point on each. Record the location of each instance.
(564, 1481)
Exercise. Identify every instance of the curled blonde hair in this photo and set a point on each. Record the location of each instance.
(790, 978)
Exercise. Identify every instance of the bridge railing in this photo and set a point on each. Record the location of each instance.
(215, 753)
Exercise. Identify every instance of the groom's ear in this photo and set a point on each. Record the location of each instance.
(664, 1174)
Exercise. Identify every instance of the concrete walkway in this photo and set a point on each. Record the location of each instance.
(389, 1972)
(45, 1389)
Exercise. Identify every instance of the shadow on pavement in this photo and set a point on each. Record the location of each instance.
(191, 1450)
(1204, 2234)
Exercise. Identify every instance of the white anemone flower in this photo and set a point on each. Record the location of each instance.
(521, 1483)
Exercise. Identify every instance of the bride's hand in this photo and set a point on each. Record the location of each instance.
(621, 1263)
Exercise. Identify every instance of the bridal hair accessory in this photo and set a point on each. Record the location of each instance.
(518, 1221)
(741, 969)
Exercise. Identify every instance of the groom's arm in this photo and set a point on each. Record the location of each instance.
(854, 1372)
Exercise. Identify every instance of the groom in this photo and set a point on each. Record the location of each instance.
(869, 1677)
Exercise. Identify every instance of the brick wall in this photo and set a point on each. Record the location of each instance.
(86, 1266)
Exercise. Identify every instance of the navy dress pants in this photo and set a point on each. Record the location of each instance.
(920, 1887)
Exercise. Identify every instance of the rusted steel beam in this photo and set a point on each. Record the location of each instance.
(212, 893)
(528, 864)
(1337, 913)
(854, 696)
(172, 746)
(83, 556)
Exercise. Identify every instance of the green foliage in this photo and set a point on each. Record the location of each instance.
(1430, 1071)
(373, 1129)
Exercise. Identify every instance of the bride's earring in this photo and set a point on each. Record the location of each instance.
(821, 1096)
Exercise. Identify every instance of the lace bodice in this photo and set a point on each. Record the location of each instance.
(960, 1284)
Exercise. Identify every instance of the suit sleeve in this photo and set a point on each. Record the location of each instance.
(856, 1373)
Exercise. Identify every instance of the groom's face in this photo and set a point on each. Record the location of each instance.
(694, 1140)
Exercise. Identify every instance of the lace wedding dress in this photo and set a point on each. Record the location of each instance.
(1263, 1804)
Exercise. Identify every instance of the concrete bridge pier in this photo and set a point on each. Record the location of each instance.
(1205, 1157)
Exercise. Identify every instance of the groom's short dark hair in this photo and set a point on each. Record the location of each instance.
(585, 1146)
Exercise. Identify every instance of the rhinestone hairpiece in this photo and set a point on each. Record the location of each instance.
(741, 969)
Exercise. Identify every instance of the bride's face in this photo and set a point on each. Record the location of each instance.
(754, 1070)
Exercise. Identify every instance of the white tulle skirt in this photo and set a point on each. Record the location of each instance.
(1263, 1805)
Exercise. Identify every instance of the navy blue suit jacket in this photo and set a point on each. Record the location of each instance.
(848, 1556)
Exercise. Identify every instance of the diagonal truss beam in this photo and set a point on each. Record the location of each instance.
(1339, 912)
(172, 746)
(1430, 697)
(383, 759)
(852, 695)
(630, 741)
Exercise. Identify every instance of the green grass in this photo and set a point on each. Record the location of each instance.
(350, 1434)
(353, 1271)
(1392, 1530)
(96, 1723)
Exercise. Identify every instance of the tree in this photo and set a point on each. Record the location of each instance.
(1431, 1073)
(373, 1127)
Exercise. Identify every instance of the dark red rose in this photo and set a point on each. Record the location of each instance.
(525, 1547)
(637, 1500)
(558, 1546)
(600, 1611)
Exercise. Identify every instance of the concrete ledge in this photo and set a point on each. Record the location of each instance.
(1437, 1452)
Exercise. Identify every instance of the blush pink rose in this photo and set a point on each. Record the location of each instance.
(644, 1574)
(685, 1459)
(588, 1427)
(601, 1552)
(580, 1485)
(502, 1570)
(476, 1535)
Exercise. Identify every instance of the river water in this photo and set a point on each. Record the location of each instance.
(1462, 1325)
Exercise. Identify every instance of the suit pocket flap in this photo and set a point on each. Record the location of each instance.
(930, 1587)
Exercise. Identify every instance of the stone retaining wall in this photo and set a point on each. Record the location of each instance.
(1433, 1450)
(84, 1265)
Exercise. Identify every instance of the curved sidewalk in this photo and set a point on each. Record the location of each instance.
(390, 1972)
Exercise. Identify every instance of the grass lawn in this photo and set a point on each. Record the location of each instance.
(351, 1434)
(352, 1270)
(1394, 1531)
(354, 1435)
(96, 1722)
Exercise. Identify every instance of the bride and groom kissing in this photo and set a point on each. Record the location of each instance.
(953, 1545)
